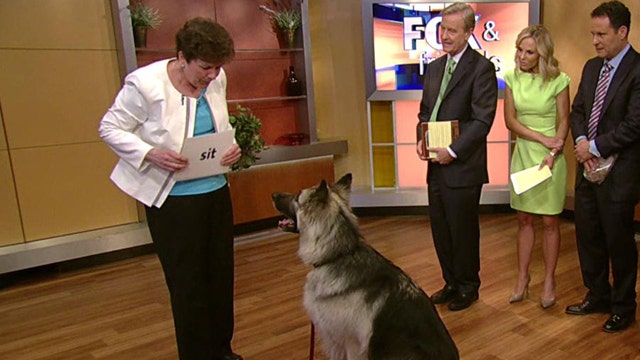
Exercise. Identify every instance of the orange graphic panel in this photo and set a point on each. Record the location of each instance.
(412, 172)
(406, 121)
(498, 164)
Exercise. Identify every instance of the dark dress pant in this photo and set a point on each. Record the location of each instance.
(605, 239)
(455, 228)
(193, 236)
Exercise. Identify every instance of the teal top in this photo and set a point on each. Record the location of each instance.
(536, 108)
(204, 124)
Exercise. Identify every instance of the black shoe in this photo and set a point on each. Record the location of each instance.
(444, 295)
(231, 356)
(617, 323)
(463, 301)
(587, 307)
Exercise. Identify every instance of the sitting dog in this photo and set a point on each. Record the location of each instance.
(363, 306)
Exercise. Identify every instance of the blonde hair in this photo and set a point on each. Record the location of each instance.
(547, 63)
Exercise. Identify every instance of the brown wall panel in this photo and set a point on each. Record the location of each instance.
(10, 225)
(147, 56)
(56, 24)
(268, 75)
(3, 139)
(58, 75)
(251, 189)
(338, 76)
(174, 13)
(53, 97)
(278, 118)
(66, 189)
(250, 26)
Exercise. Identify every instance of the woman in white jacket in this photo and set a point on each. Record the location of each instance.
(191, 222)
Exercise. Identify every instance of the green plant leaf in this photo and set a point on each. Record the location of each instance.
(283, 18)
(144, 16)
(248, 137)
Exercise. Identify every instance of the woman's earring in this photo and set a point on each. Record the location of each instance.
(182, 67)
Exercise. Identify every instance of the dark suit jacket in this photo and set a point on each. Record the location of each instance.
(619, 126)
(471, 99)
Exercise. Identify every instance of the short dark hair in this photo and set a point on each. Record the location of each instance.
(204, 39)
(618, 14)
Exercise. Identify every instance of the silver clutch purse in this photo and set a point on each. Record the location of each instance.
(601, 171)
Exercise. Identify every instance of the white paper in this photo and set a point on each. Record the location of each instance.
(204, 154)
(528, 178)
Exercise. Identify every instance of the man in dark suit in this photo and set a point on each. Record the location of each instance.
(456, 174)
(605, 122)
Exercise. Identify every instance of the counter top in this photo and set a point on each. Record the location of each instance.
(279, 153)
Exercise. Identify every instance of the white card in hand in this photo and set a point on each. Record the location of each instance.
(528, 178)
(204, 154)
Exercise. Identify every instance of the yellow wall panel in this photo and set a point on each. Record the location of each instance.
(66, 189)
(384, 169)
(10, 226)
(381, 122)
(53, 97)
(56, 24)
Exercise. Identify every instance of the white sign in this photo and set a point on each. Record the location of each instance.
(204, 154)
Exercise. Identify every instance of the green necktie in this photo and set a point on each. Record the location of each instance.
(451, 65)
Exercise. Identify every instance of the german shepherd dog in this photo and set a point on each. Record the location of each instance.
(363, 306)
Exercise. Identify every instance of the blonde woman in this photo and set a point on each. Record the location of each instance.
(536, 110)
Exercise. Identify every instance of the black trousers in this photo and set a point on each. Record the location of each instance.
(456, 232)
(605, 240)
(193, 236)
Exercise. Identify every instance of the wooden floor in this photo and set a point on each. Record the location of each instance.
(121, 310)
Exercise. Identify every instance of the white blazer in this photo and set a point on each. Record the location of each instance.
(148, 113)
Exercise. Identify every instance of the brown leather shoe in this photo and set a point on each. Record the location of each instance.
(444, 295)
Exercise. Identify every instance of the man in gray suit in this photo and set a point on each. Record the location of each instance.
(605, 122)
(456, 175)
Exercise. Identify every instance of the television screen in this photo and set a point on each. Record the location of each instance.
(402, 36)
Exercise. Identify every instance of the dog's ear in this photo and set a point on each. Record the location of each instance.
(343, 186)
(322, 191)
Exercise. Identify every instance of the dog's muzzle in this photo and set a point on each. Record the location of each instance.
(288, 225)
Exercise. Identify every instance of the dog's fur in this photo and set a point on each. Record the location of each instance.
(363, 306)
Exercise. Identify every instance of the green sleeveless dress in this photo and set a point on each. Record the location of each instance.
(535, 104)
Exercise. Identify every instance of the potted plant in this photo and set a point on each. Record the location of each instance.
(285, 18)
(248, 137)
(143, 18)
